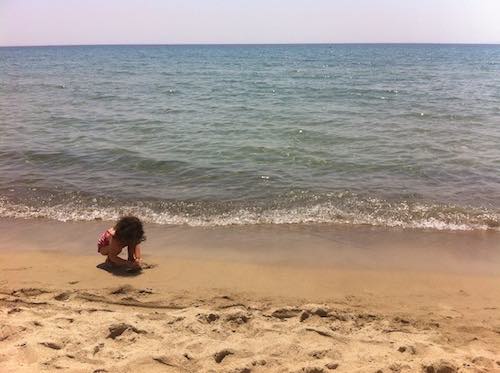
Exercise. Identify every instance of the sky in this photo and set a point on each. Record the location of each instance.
(64, 22)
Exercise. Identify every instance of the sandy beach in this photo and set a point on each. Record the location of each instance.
(295, 187)
(213, 313)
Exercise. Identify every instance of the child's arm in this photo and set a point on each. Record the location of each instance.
(138, 253)
(134, 253)
(130, 250)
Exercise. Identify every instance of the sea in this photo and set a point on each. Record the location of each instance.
(389, 135)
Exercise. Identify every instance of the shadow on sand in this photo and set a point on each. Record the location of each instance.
(119, 271)
(124, 272)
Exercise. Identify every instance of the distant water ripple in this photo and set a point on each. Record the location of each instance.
(387, 135)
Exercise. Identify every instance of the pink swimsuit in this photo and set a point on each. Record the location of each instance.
(104, 240)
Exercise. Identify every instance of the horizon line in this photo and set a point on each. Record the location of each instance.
(241, 44)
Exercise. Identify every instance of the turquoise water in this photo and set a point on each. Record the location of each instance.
(391, 135)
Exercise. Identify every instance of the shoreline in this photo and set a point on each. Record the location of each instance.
(212, 307)
(312, 245)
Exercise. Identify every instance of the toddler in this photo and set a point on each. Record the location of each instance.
(128, 231)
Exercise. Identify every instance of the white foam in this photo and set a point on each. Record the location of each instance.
(317, 213)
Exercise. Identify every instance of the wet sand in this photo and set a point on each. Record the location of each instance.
(255, 299)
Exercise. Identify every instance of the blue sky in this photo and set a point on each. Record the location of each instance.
(56, 22)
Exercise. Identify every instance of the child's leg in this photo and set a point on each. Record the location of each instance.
(105, 251)
(112, 254)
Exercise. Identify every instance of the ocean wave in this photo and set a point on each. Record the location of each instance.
(352, 210)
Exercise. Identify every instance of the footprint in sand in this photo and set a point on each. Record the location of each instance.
(63, 296)
(312, 370)
(408, 349)
(241, 370)
(98, 348)
(238, 317)
(7, 331)
(124, 289)
(52, 345)
(118, 329)
(64, 321)
(165, 361)
(219, 356)
(28, 292)
(483, 362)
(14, 310)
(319, 354)
(440, 367)
(286, 313)
(129, 290)
(207, 318)
(332, 366)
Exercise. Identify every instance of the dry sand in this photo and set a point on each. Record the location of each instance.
(58, 312)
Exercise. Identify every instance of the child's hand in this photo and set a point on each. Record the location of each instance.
(135, 264)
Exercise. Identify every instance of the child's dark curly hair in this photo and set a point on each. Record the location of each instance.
(129, 230)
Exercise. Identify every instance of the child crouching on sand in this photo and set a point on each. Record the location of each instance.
(128, 231)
